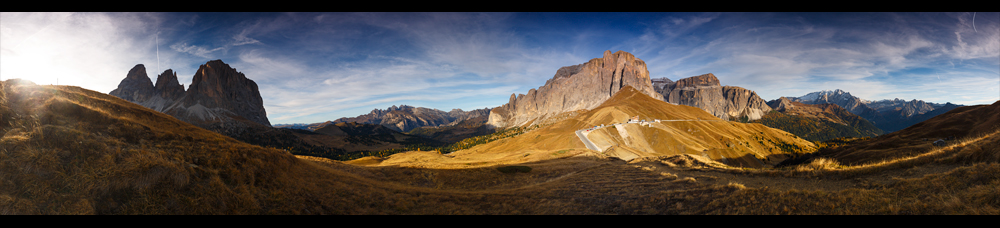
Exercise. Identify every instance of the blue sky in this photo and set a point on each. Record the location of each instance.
(313, 67)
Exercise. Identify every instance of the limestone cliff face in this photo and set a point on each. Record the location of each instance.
(167, 85)
(217, 86)
(781, 104)
(136, 86)
(742, 102)
(219, 99)
(705, 92)
(579, 87)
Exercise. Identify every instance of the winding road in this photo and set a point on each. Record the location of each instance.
(586, 141)
(590, 145)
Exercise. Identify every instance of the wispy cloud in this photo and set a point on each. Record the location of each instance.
(312, 67)
(194, 50)
(777, 54)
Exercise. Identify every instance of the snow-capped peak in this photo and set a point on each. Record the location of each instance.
(817, 95)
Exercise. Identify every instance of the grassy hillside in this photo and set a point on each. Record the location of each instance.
(749, 145)
(962, 122)
(816, 129)
(67, 150)
(737, 144)
(454, 133)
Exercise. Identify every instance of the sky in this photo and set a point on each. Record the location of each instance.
(314, 67)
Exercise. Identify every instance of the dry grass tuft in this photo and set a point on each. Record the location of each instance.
(686, 180)
(668, 176)
(819, 165)
(736, 186)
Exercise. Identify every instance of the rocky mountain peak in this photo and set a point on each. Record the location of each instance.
(136, 86)
(708, 79)
(167, 85)
(217, 85)
(212, 78)
(781, 104)
(219, 95)
(577, 87)
(138, 72)
(705, 92)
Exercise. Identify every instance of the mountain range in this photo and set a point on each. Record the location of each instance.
(218, 96)
(69, 150)
(223, 100)
(816, 122)
(401, 118)
(404, 118)
(888, 115)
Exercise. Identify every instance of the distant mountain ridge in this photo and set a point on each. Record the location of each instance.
(842, 98)
(888, 115)
(402, 118)
(817, 122)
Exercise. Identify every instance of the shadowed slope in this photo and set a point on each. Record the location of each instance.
(67, 150)
(961, 122)
(817, 122)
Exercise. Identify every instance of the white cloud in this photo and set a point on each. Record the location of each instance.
(194, 50)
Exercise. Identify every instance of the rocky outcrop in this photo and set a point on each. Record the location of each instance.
(705, 92)
(579, 87)
(219, 99)
(217, 90)
(136, 86)
(167, 85)
(781, 104)
(660, 83)
(742, 103)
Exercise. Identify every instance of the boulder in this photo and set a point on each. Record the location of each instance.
(940, 142)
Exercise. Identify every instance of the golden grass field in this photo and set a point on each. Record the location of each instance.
(67, 150)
